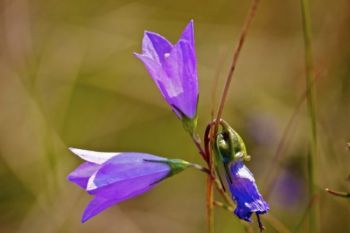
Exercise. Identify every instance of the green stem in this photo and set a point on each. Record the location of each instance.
(306, 22)
(304, 215)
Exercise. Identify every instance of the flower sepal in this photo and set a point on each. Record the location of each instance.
(190, 124)
(176, 165)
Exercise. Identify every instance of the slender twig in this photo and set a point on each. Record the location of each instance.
(200, 168)
(312, 168)
(273, 169)
(225, 207)
(210, 180)
(210, 204)
(214, 86)
(337, 193)
(237, 51)
(197, 142)
(306, 212)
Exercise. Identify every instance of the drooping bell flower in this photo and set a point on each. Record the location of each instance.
(174, 70)
(244, 190)
(235, 177)
(114, 177)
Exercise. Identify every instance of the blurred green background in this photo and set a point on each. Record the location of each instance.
(68, 78)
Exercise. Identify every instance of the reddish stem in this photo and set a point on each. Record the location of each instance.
(236, 54)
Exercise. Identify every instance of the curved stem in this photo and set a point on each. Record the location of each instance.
(236, 54)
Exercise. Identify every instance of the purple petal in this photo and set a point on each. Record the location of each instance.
(246, 193)
(173, 69)
(157, 73)
(125, 187)
(123, 177)
(182, 87)
(130, 167)
(155, 46)
(100, 203)
(188, 34)
(93, 156)
(81, 175)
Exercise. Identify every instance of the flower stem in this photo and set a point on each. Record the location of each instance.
(229, 208)
(210, 204)
(312, 168)
(197, 141)
(246, 26)
(200, 168)
(261, 225)
(210, 180)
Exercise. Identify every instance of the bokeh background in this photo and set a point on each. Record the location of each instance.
(68, 78)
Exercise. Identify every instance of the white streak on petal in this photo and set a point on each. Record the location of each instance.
(91, 185)
(93, 156)
(245, 173)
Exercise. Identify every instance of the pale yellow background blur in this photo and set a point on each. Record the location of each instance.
(68, 78)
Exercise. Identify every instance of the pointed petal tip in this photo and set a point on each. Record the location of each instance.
(157, 38)
(88, 214)
(69, 177)
(149, 33)
(188, 33)
(93, 156)
(137, 55)
(84, 218)
(75, 150)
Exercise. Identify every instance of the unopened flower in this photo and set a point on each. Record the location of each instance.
(115, 177)
(174, 70)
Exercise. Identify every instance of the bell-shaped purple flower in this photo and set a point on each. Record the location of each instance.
(173, 69)
(245, 192)
(115, 177)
